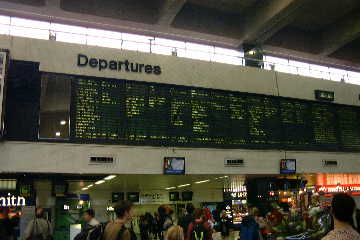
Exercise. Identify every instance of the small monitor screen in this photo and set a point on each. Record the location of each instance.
(174, 165)
(187, 196)
(133, 197)
(288, 166)
(174, 196)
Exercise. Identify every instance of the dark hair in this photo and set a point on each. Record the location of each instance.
(90, 212)
(39, 212)
(198, 213)
(190, 208)
(343, 207)
(122, 207)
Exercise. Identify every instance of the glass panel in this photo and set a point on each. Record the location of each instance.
(302, 68)
(4, 19)
(230, 52)
(169, 43)
(68, 28)
(199, 47)
(136, 38)
(129, 45)
(55, 106)
(159, 49)
(104, 42)
(354, 77)
(70, 38)
(29, 32)
(29, 23)
(227, 59)
(198, 55)
(337, 74)
(4, 29)
(103, 33)
(318, 71)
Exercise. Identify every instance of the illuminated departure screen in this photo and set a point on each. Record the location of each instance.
(140, 113)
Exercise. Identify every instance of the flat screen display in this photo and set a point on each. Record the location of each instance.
(174, 196)
(133, 197)
(117, 196)
(288, 166)
(187, 196)
(174, 165)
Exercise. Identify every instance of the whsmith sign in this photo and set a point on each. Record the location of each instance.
(115, 65)
(12, 201)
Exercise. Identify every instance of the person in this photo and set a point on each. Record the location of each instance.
(118, 229)
(199, 229)
(185, 221)
(90, 225)
(175, 233)
(249, 229)
(165, 213)
(342, 210)
(39, 228)
(208, 217)
(89, 218)
(225, 223)
(6, 225)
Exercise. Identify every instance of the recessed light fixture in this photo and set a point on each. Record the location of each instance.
(184, 185)
(110, 177)
(204, 181)
(63, 122)
(58, 134)
(99, 182)
(169, 188)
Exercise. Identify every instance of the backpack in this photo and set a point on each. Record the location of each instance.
(121, 233)
(199, 232)
(93, 233)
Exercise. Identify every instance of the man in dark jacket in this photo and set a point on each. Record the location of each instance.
(185, 221)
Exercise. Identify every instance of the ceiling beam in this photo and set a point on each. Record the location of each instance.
(267, 19)
(338, 35)
(169, 11)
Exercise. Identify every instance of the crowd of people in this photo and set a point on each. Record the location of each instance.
(196, 224)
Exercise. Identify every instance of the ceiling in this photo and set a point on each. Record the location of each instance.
(325, 32)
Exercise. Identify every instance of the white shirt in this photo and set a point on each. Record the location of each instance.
(93, 222)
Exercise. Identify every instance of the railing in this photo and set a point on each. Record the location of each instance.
(14, 26)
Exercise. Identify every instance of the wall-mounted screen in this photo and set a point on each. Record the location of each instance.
(288, 166)
(174, 165)
(133, 197)
(117, 196)
(174, 196)
(187, 196)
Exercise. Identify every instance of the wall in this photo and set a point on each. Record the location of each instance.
(57, 157)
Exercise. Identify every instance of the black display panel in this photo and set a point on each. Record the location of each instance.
(141, 113)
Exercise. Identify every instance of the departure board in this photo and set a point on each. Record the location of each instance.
(141, 113)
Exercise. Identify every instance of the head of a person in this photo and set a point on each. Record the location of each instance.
(39, 212)
(198, 213)
(190, 208)
(88, 215)
(223, 213)
(343, 207)
(124, 210)
(174, 233)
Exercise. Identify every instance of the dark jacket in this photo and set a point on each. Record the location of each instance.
(185, 221)
(249, 229)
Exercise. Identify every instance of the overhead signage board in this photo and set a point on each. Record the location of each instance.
(154, 197)
(3, 69)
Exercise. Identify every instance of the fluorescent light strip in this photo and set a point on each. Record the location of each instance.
(169, 188)
(91, 185)
(184, 185)
(100, 182)
(110, 177)
(85, 188)
(204, 181)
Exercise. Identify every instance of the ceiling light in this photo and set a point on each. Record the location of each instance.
(91, 185)
(63, 122)
(58, 134)
(204, 181)
(100, 182)
(169, 188)
(184, 185)
(85, 188)
(110, 177)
